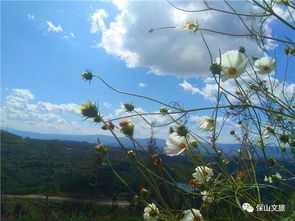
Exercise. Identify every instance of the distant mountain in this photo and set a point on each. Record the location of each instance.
(107, 140)
(110, 141)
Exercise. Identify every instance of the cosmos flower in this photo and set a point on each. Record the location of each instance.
(203, 174)
(264, 65)
(175, 144)
(273, 177)
(207, 197)
(267, 131)
(233, 64)
(151, 212)
(192, 26)
(192, 215)
(207, 124)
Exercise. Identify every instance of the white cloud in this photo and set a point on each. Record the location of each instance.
(142, 85)
(31, 17)
(170, 51)
(209, 91)
(107, 105)
(97, 22)
(52, 28)
(23, 93)
(188, 87)
(69, 36)
(19, 112)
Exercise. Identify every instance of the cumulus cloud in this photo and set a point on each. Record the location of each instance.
(97, 20)
(69, 36)
(169, 51)
(107, 105)
(20, 112)
(188, 87)
(53, 28)
(210, 89)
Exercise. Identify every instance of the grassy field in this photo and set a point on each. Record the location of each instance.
(80, 219)
(35, 210)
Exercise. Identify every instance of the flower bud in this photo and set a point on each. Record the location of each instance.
(232, 132)
(143, 191)
(131, 153)
(87, 75)
(129, 107)
(194, 143)
(127, 128)
(283, 149)
(108, 126)
(164, 110)
(182, 130)
(290, 50)
(271, 162)
(242, 50)
(215, 68)
(101, 149)
(269, 129)
(171, 130)
(89, 110)
(255, 58)
(284, 138)
(157, 160)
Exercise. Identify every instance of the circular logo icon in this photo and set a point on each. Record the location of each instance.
(247, 207)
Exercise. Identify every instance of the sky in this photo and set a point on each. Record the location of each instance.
(45, 46)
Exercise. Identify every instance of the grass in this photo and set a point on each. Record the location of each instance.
(80, 219)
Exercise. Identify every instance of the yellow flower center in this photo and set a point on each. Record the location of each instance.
(232, 71)
(266, 68)
(205, 173)
(182, 146)
(190, 26)
(153, 213)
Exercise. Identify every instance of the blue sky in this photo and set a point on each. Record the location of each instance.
(46, 45)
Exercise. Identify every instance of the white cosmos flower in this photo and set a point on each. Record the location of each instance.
(192, 215)
(273, 177)
(207, 197)
(265, 134)
(233, 64)
(151, 212)
(175, 144)
(207, 124)
(192, 26)
(267, 131)
(203, 174)
(267, 179)
(265, 65)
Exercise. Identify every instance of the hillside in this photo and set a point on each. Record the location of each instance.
(34, 166)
